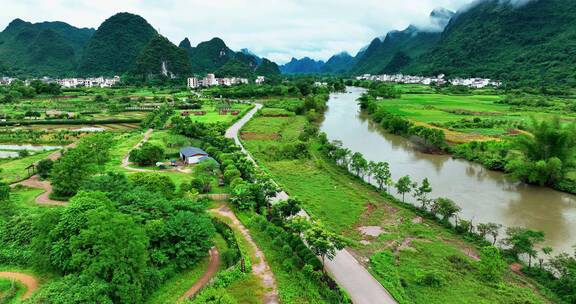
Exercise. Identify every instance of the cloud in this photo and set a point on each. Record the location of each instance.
(277, 29)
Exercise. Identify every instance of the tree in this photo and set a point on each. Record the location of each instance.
(421, 193)
(4, 192)
(188, 236)
(112, 248)
(323, 243)
(403, 186)
(547, 152)
(287, 208)
(446, 208)
(382, 174)
(147, 155)
(547, 251)
(44, 167)
(359, 164)
(491, 229)
(154, 182)
(371, 168)
(491, 266)
(522, 241)
(70, 171)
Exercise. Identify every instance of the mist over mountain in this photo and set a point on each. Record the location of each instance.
(528, 42)
(407, 44)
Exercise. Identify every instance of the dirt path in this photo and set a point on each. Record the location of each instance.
(29, 281)
(206, 277)
(126, 160)
(260, 269)
(44, 198)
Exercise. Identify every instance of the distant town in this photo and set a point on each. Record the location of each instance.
(476, 83)
(210, 80)
(102, 82)
(96, 82)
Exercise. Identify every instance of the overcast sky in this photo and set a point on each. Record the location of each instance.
(276, 29)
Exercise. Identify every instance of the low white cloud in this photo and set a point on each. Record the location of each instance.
(277, 29)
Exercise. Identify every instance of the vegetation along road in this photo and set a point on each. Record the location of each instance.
(347, 271)
(27, 280)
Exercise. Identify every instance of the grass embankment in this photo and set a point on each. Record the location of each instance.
(420, 248)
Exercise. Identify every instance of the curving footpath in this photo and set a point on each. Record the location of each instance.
(206, 277)
(44, 198)
(126, 160)
(346, 270)
(260, 269)
(27, 280)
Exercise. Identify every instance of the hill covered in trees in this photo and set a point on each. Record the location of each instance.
(162, 57)
(401, 46)
(530, 44)
(123, 44)
(214, 56)
(42, 48)
(116, 45)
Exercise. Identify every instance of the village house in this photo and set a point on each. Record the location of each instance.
(193, 155)
(476, 83)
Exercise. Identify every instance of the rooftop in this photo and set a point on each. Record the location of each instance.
(190, 151)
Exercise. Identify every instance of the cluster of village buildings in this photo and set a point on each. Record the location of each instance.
(96, 82)
(476, 83)
(210, 80)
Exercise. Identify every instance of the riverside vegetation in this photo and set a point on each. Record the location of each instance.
(531, 136)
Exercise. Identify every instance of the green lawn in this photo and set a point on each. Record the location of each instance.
(15, 170)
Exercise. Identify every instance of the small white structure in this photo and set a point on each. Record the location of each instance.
(193, 155)
(193, 83)
(260, 79)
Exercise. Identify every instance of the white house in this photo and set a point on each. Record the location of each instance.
(193, 155)
(193, 83)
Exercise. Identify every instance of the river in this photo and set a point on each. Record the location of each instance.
(484, 195)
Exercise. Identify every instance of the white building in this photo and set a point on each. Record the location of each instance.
(260, 79)
(193, 83)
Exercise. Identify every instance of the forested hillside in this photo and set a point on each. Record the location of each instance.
(161, 57)
(116, 45)
(214, 56)
(402, 46)
(42, 48)
(531, 44)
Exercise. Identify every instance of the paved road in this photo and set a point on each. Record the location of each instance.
(346, 270)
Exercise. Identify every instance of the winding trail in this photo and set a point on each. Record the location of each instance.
(44, 198)
(35, 182)
(27, 280)
(126, 160)
(260, 269)
(206, 277)
(346, 270)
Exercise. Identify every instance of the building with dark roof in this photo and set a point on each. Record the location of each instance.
(192, 155)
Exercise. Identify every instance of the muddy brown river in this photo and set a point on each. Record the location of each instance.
(484, 195)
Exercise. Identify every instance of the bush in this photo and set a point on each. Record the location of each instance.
(147, 155)
(44, 167)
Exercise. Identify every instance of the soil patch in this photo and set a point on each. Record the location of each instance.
(259, 136)
(373, 231)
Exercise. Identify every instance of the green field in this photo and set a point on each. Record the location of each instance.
(344, 204)
(441, 109)
(15, 170)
